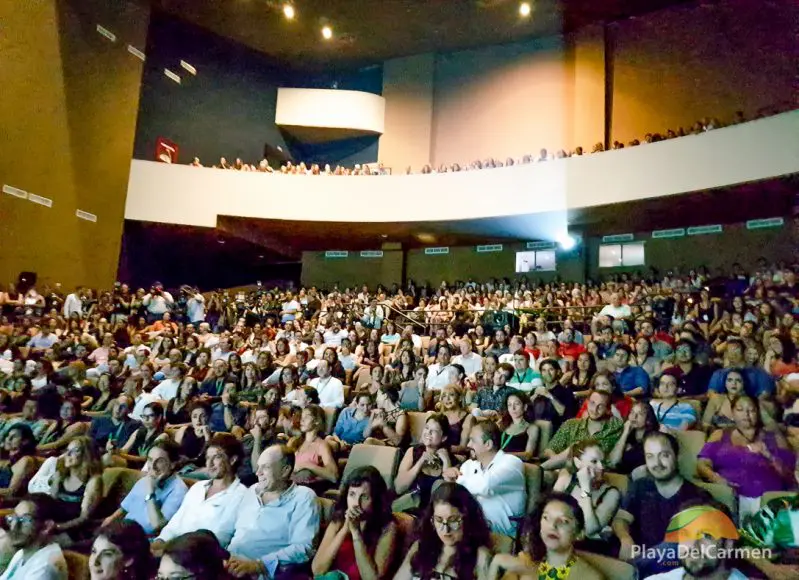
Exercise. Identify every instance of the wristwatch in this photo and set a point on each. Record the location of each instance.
(584, 493)
(149, 497)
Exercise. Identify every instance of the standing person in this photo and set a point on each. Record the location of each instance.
(452, 539)
(73, 304)
(495, 478)
(361, 538)
(121, 551)
(195, 306)
(157, 302)
(30, 533)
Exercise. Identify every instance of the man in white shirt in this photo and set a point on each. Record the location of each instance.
(493, 477)
(335, 334)
(438, 375)
(222, 352)
(471, 362)
(30, 528)
(195, 307)
(277, 521)
(616, 310)
(330, 389)
(168, 388)
(73, 303)
(43, 339)
(290, 308)
(211, 505)
(157, 301)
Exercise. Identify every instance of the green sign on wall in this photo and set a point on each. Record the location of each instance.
(617, 238)
(673, 233)
(776, 222)
(490, 248)
(436, 251)
(372, 254)
(702, 230)
(336, 254)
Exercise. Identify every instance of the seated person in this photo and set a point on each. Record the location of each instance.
(747, 457)
(460, 421)
(495, 478)
(193, 439)
(361, 537)
(438, 375)
(758, 382)
(692, 377)
(490, 400)
(193, 555)
(584, 480)
(156, 497)
(650, 502)
(118, 427)
(620, 403)
(214, 384)
(264, 433)
(599, 425)
(388, 423)
(519, 435)
(553, 402)
(211, 505)
(227, 415)
(121, 550)
(314, 464)
(277, 521)
(423, 465)
(30, 416)
(70, 424)
(18, 464)
(177, 409)
(134, 451)
(31, 527)
(330, 389)
(351, 424)
(632, 380)
(412, 392)
(452, 539)
(524, 377)
(549, 544)
(168, 389)
(718, 412)
(672, 413)
(628, 453)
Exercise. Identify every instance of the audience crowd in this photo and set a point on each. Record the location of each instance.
(535, 430)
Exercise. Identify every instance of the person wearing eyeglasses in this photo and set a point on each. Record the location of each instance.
(134, 452)
(451, 541)
(118, 427)
(30, 530)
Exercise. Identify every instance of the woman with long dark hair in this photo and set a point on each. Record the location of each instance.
(628, 453)
(121, 551)
(18, 464)
(451, 540)
(360, 539)
(424, 464)
(194, 555)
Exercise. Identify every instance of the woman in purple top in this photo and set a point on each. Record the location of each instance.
(747, 457)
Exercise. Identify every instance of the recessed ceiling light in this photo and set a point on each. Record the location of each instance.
(384, 235)
(221, 241)
(524, 9)
(327, 32)
(288, 11)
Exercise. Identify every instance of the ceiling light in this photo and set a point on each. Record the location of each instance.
(524, 9)
(327, 32)
(288, 11)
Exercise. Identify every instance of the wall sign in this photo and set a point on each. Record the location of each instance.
(336, 254)
(540, 245)
(436, 251)
(136, 52)
(85, 215)
(15, 191)
(702, 230)
(45, 201)
(103, 31)
(776, 222)
(490, 248)
(673, 233)
(617, 238)
(372, 254)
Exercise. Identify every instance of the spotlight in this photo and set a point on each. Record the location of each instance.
(327, 32)
(567, 242)
(288, 11)
(524, 9)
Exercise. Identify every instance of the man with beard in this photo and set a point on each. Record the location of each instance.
(118, 427)
(493, 477)
(652, 501)
(277, 523)
(30, 528)
(210, 505)
(157, 496)
(704, 558)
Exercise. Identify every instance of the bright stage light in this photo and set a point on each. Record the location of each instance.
(524, 9)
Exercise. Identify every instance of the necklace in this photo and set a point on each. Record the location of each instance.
(749, 440)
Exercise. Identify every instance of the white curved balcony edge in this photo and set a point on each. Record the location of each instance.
(330, 109)
(181, 194)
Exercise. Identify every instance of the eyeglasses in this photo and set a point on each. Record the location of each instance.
(26, 520)
(453, 524)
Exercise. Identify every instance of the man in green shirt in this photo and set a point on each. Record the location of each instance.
(600, 424)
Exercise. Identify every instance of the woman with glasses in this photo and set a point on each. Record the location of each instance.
(135, 449)
(548, 540)
(193, 556)
(424, 464)
(121, 551)
(451, 539)
(361, 537)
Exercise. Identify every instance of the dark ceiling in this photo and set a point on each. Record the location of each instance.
(370, 31)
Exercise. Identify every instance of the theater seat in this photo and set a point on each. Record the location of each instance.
(331, 414)
(501, 544)
(619, 481)
(533, 482)
(610, 568)
(416, 421)
(544, 435)
(723, 494)
(385, 459)
(117, 483)
(691, 443)
(405, 525)
(771, 495)
(77, 565)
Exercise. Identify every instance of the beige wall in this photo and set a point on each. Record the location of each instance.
(68, 114)
(676, 66)
(408, 91)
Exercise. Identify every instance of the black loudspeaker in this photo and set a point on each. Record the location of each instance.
(26, 280)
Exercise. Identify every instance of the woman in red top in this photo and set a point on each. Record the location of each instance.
(362, 534)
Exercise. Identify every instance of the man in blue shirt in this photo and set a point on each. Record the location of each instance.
(350, 424)
(633, 381)
(157, 496)
(118, 427)
(757, 382)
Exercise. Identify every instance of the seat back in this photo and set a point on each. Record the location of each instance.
(691, 443)
(77, 565)
(610, 568)
(723, 494)
(416, 421)
(117, 483)
(532, 482)
(501, 544)
(405, 525)
(770, 495)
(384, 458)
(331, 414)
(544, 435)
(619, 481)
